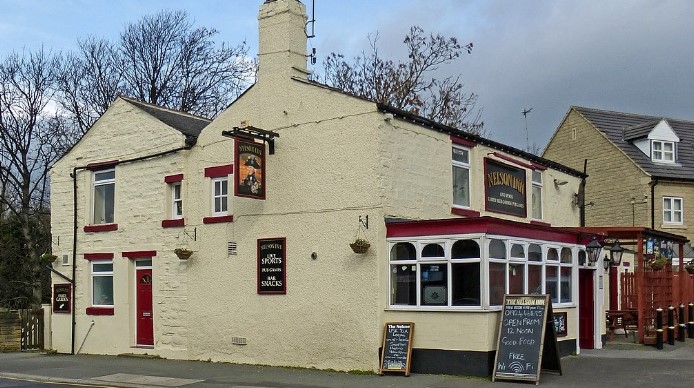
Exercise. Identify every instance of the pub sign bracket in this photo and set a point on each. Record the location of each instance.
(253, 133)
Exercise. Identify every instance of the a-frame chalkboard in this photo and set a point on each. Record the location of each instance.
(396, 352)
(527, 340)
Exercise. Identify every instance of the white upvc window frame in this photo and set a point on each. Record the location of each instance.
(669, 209)
(537, 185)
(176, 200)
(461, 165)
(660, 153)
(100, 273)
(97, 184)
(218, 193)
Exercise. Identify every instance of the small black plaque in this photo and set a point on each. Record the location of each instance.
(272, 276)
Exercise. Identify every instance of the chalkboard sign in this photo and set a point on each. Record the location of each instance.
(272, 266)
(525, 336)
(396, 352)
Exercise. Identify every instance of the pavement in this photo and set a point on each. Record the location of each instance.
(619, 364)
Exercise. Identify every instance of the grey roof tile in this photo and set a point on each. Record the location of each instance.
(615, 124)
(185, 123)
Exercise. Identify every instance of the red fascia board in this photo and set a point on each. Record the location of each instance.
(98, 256)
(489, 225)
(173, 178)
(100, 310)
(173, 223)
(100, 228)
(219, 171)
(139, 254)
(217, 219)
(102, 165)
(463, 142)
(538, 166)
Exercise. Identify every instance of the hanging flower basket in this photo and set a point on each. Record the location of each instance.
(657, 264)
(183, 254)
(360, 245)
(49, 257)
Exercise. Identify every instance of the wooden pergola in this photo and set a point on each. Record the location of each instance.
(646, 288)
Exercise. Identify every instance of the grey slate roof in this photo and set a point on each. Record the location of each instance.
(639, 131)
(183, 122)
(614, 124)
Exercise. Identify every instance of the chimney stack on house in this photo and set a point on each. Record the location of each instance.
(282, 40)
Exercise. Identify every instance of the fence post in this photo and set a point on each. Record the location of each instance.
(691, 319)
(680, 332)
(659, 328)
(670, 325)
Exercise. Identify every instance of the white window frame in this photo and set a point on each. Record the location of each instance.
(466, 166)
(669, 209)
(537, 184)
(224, 198)
(97, 274)
(175, 214)
(659, 152)
(103, 182)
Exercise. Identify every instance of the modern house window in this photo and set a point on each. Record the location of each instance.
(537, 195)
(220, 195)
(461, 176)
(672, 210)
(663, 151)
(104, 183)
(176, 200)
(456, 273)
(102, 283)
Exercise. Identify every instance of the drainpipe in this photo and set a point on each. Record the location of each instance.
(654, 182)
(190, 141)
(582, 195)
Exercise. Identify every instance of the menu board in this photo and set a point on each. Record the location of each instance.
(524, 338)
(272, 274)
(396, 352)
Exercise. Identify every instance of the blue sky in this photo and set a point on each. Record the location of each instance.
(624, 55)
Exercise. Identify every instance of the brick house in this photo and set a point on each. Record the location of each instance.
(269, 208)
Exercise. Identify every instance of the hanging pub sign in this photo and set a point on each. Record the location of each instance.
(504, 188)
(250, 169)
(272, 275)
(62, 296)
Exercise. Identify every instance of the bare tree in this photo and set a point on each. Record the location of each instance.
(409, 85)
(31, 139)
(161, 59)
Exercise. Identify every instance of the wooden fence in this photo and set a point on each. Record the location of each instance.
(21, 330)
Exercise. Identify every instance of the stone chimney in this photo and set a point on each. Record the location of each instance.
(282, 40)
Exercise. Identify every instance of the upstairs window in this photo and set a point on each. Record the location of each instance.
(672, 210)
(537, 195)
(220, 195)
(461, 176)
(663, 151)
(176, 201)
(104, 184)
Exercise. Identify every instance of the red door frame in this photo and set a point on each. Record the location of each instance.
(144, 314)
(586, 309)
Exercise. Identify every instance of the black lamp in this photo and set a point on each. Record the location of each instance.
(593, 250)
(606, 263)
(616, 252)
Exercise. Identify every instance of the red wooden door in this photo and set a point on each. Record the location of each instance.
(145, 316)
(586, 309)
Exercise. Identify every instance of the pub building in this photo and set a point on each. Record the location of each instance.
(288, 230)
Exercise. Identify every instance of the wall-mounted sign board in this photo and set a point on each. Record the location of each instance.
(396, 353)
(527, 342)
(560, 325)
(272, 266)
(62, 298)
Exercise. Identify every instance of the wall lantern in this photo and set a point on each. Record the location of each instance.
(616, 252)
(606, 263)
(593, 251)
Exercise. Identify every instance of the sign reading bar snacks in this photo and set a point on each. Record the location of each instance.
(272, 274)
(62, 296)
(250, 169)
(504, 188)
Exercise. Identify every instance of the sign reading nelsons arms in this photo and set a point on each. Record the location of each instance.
(504, 188)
